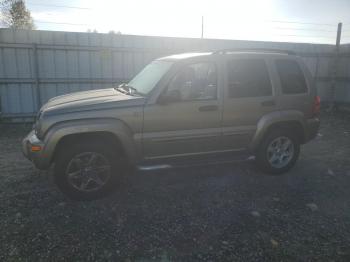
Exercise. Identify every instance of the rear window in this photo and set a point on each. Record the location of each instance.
(248, 78)
(291, 76)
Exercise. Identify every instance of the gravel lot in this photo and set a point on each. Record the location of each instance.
(211, 213)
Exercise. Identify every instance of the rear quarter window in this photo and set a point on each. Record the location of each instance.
(291, 76)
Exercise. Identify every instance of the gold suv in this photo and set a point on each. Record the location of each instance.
(179, 110)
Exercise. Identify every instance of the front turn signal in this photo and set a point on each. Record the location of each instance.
(35, 148)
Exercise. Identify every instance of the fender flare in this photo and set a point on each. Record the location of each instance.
(272, 118)
(114, 126)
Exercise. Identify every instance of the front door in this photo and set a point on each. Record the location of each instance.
(190, 123)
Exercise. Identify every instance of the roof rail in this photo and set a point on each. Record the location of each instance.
(267, 50)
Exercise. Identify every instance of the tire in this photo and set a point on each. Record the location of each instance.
(270, 160)
(99, 179)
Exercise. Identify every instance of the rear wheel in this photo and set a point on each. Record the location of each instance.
(88, 171)
(278, 152)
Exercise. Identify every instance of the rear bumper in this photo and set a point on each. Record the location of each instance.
(312, 127)
(38, 158)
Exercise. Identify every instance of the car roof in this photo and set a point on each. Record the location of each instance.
(184, 56)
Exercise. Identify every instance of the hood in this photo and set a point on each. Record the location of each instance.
(90, 100)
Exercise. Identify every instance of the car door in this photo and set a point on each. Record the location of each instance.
(248, 95)
(190, 124)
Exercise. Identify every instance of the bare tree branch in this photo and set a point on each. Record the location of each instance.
(14, 14)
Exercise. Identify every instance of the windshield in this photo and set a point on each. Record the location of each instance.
(146, 80)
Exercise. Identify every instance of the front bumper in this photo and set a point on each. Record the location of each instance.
(39, 158)
(312, 127)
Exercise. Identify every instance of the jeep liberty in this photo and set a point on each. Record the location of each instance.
(179, 110)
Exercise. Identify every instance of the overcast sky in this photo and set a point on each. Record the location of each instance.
(244, 19)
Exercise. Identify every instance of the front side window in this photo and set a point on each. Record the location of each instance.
(291, 76)
(147, 79)
(195, 82)
(248, 78)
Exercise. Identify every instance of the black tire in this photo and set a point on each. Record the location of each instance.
(261, 156)
(65, 156)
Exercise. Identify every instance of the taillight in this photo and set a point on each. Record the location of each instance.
(316, 106)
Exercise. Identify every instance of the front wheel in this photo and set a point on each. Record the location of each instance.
(278, 152)
(87, 171)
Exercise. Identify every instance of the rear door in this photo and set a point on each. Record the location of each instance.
(248, 95)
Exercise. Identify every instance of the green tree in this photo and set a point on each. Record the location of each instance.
(14, 14)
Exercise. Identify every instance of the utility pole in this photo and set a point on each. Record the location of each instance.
(333, 105)
(202, 26)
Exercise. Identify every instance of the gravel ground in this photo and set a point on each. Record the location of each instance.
(212, 213)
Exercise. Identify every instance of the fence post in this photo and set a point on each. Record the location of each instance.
(333, 105)
(36, 76)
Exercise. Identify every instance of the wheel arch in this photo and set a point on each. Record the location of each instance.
(103, 137)
(289, 120)
(112, 131)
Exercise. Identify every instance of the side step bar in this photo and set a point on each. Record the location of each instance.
(153, 167)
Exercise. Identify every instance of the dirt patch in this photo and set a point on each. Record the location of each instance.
(212, 213)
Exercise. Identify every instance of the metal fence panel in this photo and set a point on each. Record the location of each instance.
(57, 63)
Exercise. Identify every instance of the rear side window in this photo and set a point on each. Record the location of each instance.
(248, 78)
(291, 76)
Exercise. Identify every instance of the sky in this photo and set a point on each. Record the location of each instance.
(313, 21)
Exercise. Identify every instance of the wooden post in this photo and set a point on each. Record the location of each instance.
(36, 76)
(202, 26)
(333, 105)
(338, 36)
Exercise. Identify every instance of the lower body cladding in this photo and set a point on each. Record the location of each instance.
(33, 149)
(312, 127)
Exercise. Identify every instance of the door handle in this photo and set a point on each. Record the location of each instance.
(208, 108)
(268, 103)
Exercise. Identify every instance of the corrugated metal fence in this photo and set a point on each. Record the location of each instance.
(38, 65)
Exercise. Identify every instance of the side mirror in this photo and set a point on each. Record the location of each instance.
(169, 97)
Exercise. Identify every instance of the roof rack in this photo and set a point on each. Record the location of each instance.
(267, 50)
